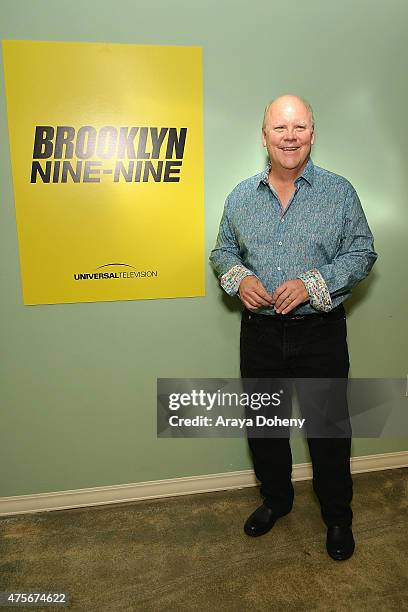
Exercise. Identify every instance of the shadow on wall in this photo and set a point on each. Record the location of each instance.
(362, 291)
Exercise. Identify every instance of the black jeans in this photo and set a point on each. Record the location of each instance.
(312, 346)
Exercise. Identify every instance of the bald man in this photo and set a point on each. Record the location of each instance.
(293, 242)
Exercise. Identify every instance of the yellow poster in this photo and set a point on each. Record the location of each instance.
(107, 161)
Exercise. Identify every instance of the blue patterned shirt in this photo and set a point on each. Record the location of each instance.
(322, 237)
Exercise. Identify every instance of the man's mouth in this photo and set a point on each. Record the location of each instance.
(289, 148)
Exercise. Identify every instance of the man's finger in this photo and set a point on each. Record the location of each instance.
(261, 300)
(279, 290)
(288, 300)
(254, 300)
(291, 306)
(284, 296)
(251, 286)
(262, 292)
(258, 300)
(249, 302)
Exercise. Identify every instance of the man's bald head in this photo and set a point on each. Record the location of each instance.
(288, 135)
(287, 100)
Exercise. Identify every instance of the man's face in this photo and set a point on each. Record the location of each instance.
(288, 134)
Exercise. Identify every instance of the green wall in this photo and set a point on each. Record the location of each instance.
(78, 380)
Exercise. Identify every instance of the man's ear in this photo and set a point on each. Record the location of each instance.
(313, 136)
(263, 137)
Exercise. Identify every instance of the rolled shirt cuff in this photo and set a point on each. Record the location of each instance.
(231, 280)
(317, 289)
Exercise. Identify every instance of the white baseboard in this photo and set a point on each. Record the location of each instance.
(40, 502)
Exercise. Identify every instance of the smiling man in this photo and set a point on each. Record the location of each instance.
(293, 242)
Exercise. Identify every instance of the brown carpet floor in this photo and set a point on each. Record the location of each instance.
(190, 553)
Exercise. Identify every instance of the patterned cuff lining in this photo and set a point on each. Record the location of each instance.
(317, 289)
(231, 280)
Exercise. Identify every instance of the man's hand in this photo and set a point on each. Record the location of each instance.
(289, 295)
(253, 294)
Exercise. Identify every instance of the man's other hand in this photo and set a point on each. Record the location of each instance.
(253, 294)
(289, 295)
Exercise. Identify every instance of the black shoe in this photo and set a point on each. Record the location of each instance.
(260, 521)
(340, 542)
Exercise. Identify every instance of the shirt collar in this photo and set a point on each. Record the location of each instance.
(307, 173)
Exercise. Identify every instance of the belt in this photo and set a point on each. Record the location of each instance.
(336, 313)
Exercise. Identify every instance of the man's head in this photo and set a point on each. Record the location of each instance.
(288, 132)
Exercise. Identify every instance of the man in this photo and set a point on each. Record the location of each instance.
(293, 242)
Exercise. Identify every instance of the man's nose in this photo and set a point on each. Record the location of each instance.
(290, 135)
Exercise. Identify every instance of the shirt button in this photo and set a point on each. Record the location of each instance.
(282, 220)
(279, 267)
(280, 243)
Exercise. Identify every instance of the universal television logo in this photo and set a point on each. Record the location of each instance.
(117, 274)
